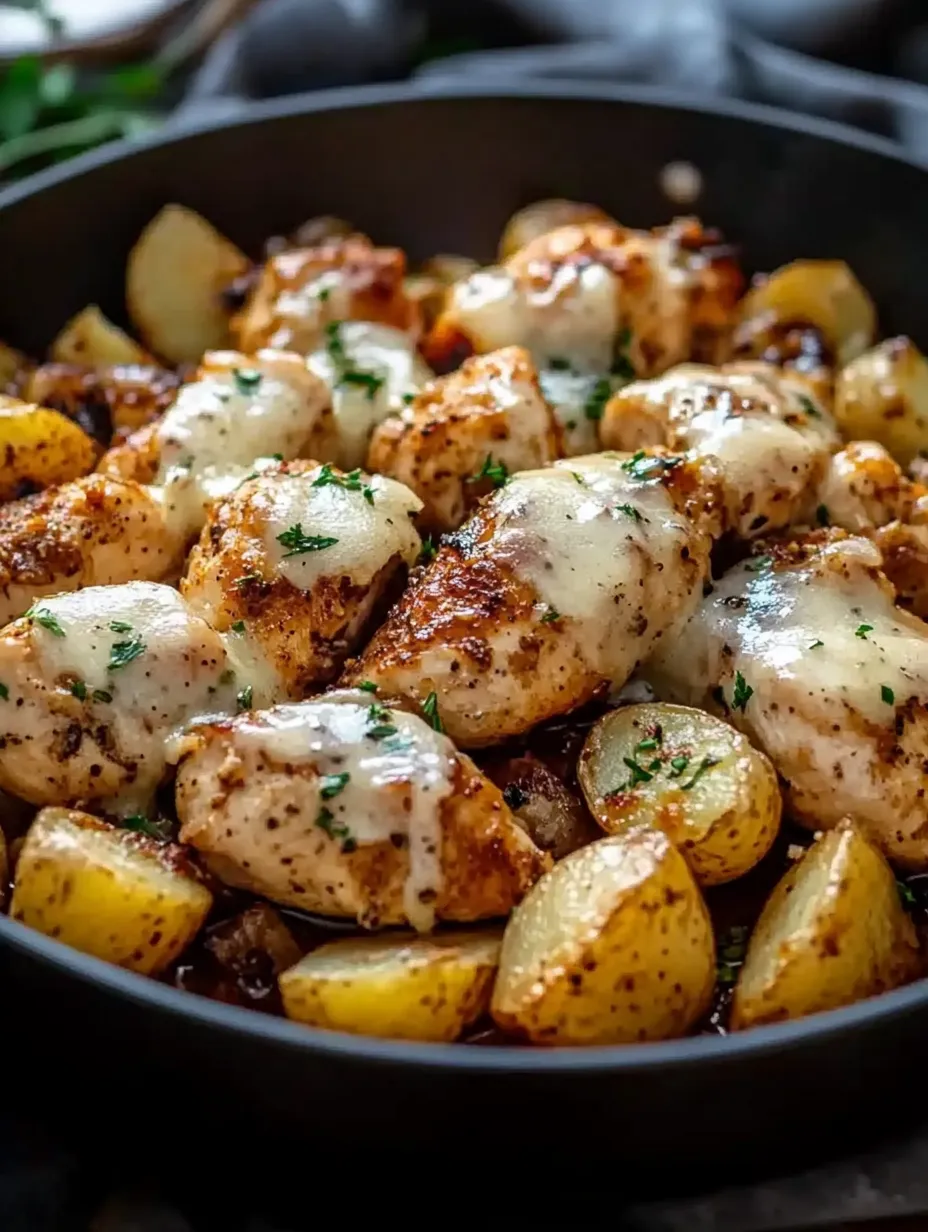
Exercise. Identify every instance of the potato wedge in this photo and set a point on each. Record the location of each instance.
(540, 217)
(107, 891)
(396, 987)
(39, 447)
(689, 774)
(93, 341)
(613, 946)
(833, 931)
(174, 282)
(883, 396)
(822, 294)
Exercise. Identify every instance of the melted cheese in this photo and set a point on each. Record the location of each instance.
(571, 396)
(367, 534)
(600, 547)
(396, 780)
(387, 354)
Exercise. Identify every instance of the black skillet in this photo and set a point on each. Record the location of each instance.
(433, 172)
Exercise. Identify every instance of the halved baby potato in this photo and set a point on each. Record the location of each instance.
(40, 447)
(614, 945)
(91, 340)
(541, 217)
(396, 987)
(883, 396)
(833, 932)
(107, 891)
(823, 294)
(176, 274)
(690, 775)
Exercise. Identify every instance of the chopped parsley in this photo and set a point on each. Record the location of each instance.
(298, 542)
(631, 511)
(246, 579)
(140, 824)
(706, 764)
(430, 710)
(645, 746)
(496, 472)
(123, 653)
(379, 716)
(247, 380)
(639, 774)
(550, 616)
(368, 686)
(906, 895)
(332, 784)
(101, 695)
(429, 550)
(120, 626)
(558, 364)
(887, 695)
(243, 698)
(621, 363)
(579, 478)
(239, 625)
(79, 690)
(344, 373)
(758, 562)
(733, 946)
(641, 466)
(334, 344)
(408, 399)
(381, 731)
(815, 645)
(42, 616)
(822, 516)
(4, 693)
(351, 482)
(335, 829)
(599, 395)
(369, 381)
(377, 713)
(742, 694)
(863, 630)
(678, 765)
(809, 406)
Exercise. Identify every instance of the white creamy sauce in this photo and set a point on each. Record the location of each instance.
(253, 670)
(399, 772)
(384, 353)
(600, 547)
(216, 428)
(569, 394)
(305, 311)
(367, 533)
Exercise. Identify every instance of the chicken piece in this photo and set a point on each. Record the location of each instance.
(345, 806)
(236, 410)
(864, 487)
(804, 651)
(465, 433)
(772, 438)
(293, 564)
(556, 588)
(904, 549)
(372, 371)
(580, 294)
(92, 532)
(94, 683)
(302, 290)
(104, 401)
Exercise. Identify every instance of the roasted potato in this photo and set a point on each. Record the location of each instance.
(823, 295)
(177, 272)
(689, 774)
(882, 396)
(612, 946)
(92, 341)
(540, 217)
(398, 987)
(14, 369)
(39, 447)
(832, 932)
(118, 895)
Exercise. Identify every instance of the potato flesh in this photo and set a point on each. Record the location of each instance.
(712, 794)
(614, 945)
(832, 932)
(106, 892)
(40, 447)
(883, 396)
(541, 217)
(413, 988)
(92, 341)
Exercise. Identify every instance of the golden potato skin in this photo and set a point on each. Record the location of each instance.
(92, 340)
(395, 987)
(106, 891)
(832, 932)
(537, 219)
(613, 946)
(710, 792)
(882, 396)
(39, 447)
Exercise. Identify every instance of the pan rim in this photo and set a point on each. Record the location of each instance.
(667, 1055)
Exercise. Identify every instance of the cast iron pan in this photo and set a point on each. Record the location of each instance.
(433, 172)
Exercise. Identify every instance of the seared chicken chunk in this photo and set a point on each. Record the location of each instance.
(236, 410)
(771, 437)
(554, 591)
(292, 565)
(104, 401)
(350, 807)
(93, 685)
(373, 371)
(805, 651)
(465, 433)
(91, 532)
(302, 290)
(864, 488)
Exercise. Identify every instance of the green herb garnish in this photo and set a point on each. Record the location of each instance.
(429, 550)
(758, 562)
(247, 380)
(815, 645)
(335, 829)
(621, 363)
(4, 692)
(496, 472)
(641, 466)
(706, 764)
(332, 784)
(368, 686)
(906, 894)
(239, 625)
(42, 616)
(123, 653)
(139, 823)
(246, 579)
(298, 542)
(368, 381)
(678, 765)
(430, 710)
(863, 630)
(351, 482)
(809, 406)
(120, 626)
(631, 511)
(550, 616)
(887, 695)
(599, 395)
(79, 690)
(742, 694)
(243, 698)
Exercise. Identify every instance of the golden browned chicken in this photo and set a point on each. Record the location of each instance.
(804, 650)
(302, 290)
(553, 592)
(94, 683)
(90, 532)
(465, 433)
(772, 438)
(106, 402)
(293, 564)
(352, 807)
(237, 409)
